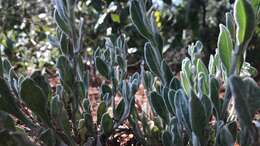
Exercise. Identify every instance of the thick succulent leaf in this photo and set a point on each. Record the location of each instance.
(224, 136)
(182, 109)
(42, 82)
(175, 84)
(214, 95)
(207, 106)
(6, 66)
(59, 114)
(166, 72)
(107, 124)
(35, 98)
(198, 117)
(152, 58)
(225, 46)
(148, 80)
(176, 133)
(171, 97)
(247, 99)
(159, 106)
(167, 138)
(245, 20)
(89, 124)
(186, 85)
(165, 96)
(200, 66)
(8, 103)
(101, 110)
(139, 18)
(145, 26)
(119, 110)
(63, 25)
(65, 46)
(102, 68)
(65, 71)
(203, 84)
(231, 25)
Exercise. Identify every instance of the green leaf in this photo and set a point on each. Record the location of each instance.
(198, 118)
(59, 114)
(203, 88)
(166, 72)
(171, 97)
(107, 124)
(247, 101)
(148, 80)
(115, 18)
(231, 25)
(139, 18)
(102, 68)
(182, 109)
(245, 20)
(186, 85)
(63, 25)
(165, 94)
(152, 58)
(65, 47)
(175, 84)
(119, 110)
(200, 66)
(65, 71)
(35, 99)
(225, 47)
(224, 137)
(207, 106)
(145, 26)
(101, 110)
(42, 82)
(214, 95)
(8, 103)
(6, 66)
(159, 106)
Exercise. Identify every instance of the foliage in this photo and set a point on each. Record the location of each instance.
(185, 110)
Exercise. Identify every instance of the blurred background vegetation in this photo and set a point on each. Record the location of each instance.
(27, 29)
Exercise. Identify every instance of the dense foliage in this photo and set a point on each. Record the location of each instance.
(185, 108)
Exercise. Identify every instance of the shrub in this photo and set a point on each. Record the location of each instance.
(184, 111)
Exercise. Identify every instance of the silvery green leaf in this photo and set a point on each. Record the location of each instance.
(200, 67)
(102, 67)
(63, 25)
(231, 25)
(152, 58)
(182, 109)
(175, 84)
(100, 111)
(225, 46)
(35, 98)
(159, 106)
(166, 72)
(106, 124)
(198, 118)
(245, 20)
(214, 95)
(186, 85)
